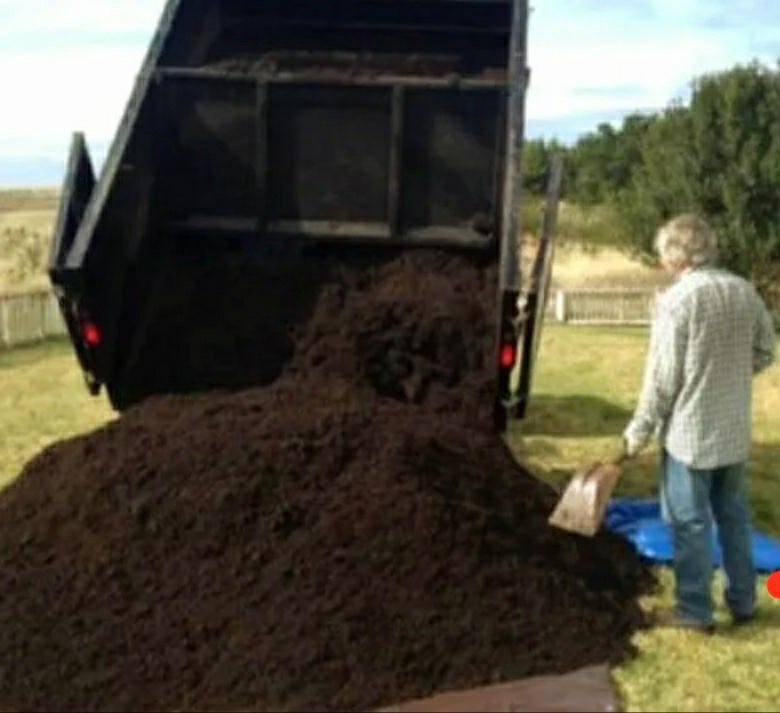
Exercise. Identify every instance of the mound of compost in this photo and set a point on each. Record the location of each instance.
(408, 323)
(349, 536)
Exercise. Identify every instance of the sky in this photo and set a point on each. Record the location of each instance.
(68, 65)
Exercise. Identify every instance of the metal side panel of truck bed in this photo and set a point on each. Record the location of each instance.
(256, 126)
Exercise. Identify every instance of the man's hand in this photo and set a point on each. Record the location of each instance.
(633, 445)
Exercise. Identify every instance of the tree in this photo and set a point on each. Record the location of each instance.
(603, 162)
(536, 165)
(662, 182)
(720, 158)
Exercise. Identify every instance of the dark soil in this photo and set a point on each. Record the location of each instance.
(344, 65)
(402, 322)
(349, 536)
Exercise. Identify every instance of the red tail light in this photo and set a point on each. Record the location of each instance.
(508, 356)
(93, 337)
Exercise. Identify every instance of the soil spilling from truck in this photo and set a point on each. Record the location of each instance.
(350, 536)
(418, 325)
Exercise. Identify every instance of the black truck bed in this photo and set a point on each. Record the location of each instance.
(264, 135)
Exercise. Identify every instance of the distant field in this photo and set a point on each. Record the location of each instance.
(591, 250)
(578, 266)
(35, 199)
(26, 221)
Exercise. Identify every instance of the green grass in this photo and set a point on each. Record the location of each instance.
(585, 390)
(42, 400)
(13, 199)
(735, 670)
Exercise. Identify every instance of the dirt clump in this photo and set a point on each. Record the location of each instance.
(349, 536)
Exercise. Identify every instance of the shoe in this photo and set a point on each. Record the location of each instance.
(672, 620)
(742, 619)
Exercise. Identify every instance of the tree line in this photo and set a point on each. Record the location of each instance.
(718, 156)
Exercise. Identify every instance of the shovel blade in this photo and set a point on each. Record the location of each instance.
(583, 503)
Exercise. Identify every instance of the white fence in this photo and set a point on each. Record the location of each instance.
(615, 307)
(602, 306)
(29, 317)
(32, 316)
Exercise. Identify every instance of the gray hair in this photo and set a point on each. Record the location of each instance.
(687, 239)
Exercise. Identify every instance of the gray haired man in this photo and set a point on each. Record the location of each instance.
(710, 335)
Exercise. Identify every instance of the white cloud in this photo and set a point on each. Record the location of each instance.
(653, 47)
(28, 17)
(48, 94)
(69, 65)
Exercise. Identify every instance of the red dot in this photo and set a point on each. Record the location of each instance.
(92, 334)
(773, 585)
(508, 356)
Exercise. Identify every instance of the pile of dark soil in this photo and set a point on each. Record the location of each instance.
(349, 536)
(406, 323)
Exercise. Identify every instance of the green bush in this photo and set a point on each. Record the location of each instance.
(720, 158)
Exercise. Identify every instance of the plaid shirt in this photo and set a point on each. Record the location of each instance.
(711, 333)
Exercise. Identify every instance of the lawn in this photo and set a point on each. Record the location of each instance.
(42, 400)
(585, 390)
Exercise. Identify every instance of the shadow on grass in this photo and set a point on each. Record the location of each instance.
(767, 617)
(574, 416)
(29, 354)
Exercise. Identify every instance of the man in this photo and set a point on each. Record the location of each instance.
(711, 334)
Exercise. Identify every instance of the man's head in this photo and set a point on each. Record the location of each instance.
(684, 242)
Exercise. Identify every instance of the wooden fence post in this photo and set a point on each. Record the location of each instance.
(560, 306)
(5, 328)
(42, 299)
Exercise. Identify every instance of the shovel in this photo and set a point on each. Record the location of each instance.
(583, 503)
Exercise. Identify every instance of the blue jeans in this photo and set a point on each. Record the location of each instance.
(689, 499)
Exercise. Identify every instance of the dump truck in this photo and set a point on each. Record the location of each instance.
(260, 133)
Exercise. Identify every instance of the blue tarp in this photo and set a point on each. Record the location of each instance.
(640, 522)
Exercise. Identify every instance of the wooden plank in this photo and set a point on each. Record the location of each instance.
(438, 235)
(330, 229)
(313, 77)
(215, 223)
(362, 26)
(586, 689)
(446, 235)
(5, 330)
